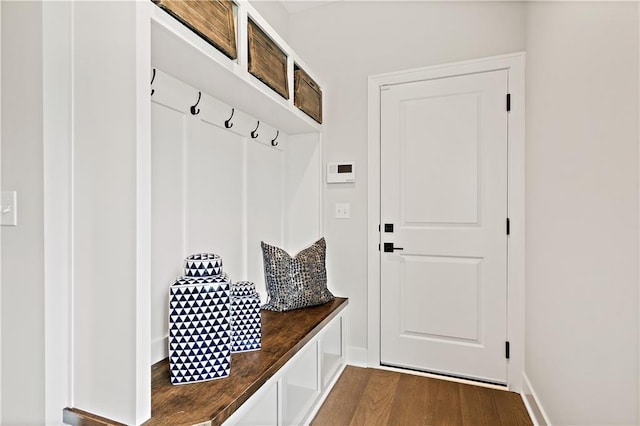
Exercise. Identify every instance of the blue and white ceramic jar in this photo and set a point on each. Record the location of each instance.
(199, 329)
(246, 322)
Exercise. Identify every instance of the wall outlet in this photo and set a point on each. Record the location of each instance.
(8, 208)
(343, 211)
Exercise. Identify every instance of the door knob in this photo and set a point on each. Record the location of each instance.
(389, 248)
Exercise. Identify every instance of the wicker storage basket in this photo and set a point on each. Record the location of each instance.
(266, 61)
(307, 95)
(213, 20)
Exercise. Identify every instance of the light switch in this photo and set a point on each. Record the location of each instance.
(8, 208)
(343, 211)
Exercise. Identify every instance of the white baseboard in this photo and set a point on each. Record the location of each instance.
(159, 349)
(357, 356)
(532, 403)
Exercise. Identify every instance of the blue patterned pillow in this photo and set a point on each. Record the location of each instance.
(295, 282)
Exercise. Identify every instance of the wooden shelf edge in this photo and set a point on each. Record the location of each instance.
(75, 417)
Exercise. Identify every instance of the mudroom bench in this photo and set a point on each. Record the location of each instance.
(284, 383)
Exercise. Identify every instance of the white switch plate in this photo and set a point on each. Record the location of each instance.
(343, 210)
(8, 208)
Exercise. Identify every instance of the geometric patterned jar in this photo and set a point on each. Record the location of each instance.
(199, 329)
(245, 317)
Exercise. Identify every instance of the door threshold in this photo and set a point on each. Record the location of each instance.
(444, 376)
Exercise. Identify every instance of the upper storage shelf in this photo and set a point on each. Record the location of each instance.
(178, 51)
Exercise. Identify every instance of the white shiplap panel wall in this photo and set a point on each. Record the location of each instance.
(213, 190)
(168, 128)
(264, 206)
(214, 198)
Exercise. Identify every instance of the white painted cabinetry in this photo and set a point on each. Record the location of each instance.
(294, 394)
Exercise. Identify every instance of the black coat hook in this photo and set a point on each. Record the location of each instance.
(254, 134)
(273, 141)
(228, 124)
(194, 110)
(153, 77)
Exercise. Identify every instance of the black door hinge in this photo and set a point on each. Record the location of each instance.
(506, 349)
(378, 228)
(508, 101)
(508, 226)
(378, 247)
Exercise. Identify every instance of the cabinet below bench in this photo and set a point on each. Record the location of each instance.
(282, 384)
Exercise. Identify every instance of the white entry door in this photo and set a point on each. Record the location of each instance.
(444, 192)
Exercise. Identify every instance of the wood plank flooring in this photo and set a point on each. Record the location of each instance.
(367, 396)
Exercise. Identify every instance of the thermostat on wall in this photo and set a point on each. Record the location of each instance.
(341, 172)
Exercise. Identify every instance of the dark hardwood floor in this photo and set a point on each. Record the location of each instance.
(367, 396)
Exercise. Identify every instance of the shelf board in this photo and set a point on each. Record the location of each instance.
(330, 364)
(179, 52)
(299, 400)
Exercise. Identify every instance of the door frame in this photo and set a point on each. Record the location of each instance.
(514, 64)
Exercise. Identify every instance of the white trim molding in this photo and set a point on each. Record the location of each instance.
(57, 170)
(514, 64)
(532, 403)
(0, 228)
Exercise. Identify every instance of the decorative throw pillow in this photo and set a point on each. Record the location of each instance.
(295, 282)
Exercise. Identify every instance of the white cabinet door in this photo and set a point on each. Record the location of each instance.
(260, 410)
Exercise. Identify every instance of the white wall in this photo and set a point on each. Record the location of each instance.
(344, 43)
(582, 210)
(0, 229)
(22, 246)
(275, 14)
(56, 35)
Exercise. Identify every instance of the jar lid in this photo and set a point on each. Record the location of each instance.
(243, 288)
(203, 265)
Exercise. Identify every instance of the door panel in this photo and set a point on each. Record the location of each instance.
(440, 174)
(456, 282)
(444, 187)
